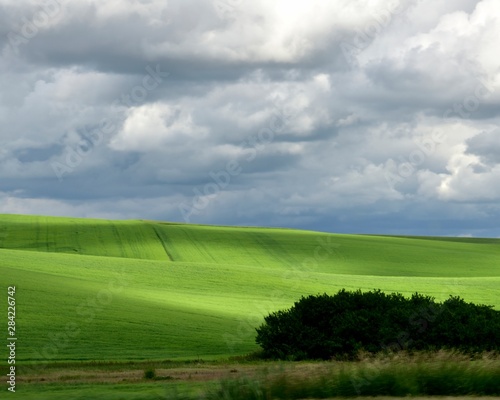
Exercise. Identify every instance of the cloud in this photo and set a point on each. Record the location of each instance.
(346, 116)
(487, 146)
(155, 127)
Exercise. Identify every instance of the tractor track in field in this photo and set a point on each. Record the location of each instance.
(162, 243)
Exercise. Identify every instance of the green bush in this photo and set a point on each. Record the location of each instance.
(324, 326)
(149, 373)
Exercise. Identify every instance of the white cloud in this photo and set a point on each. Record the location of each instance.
(155, 126)
(468, 183)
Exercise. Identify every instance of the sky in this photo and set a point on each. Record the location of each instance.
(348, 116)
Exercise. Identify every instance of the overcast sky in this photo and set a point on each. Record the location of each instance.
(358, 116)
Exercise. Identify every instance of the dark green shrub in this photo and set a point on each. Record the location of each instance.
(149, 373)
(323, 326)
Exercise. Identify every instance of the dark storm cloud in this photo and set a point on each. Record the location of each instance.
(44, 153)
(486, 145)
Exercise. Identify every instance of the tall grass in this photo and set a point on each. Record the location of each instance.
(440, 374)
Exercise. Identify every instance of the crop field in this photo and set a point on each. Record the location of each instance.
(98, 290)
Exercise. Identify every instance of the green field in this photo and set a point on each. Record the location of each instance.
(91, 289)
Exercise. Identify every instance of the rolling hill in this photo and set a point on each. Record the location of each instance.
(89, 289)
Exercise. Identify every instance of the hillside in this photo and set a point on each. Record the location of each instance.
(98, 289)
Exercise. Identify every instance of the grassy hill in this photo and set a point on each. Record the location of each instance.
(91, 289)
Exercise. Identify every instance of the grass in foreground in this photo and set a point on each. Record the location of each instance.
(420, 374)
(401, 378)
